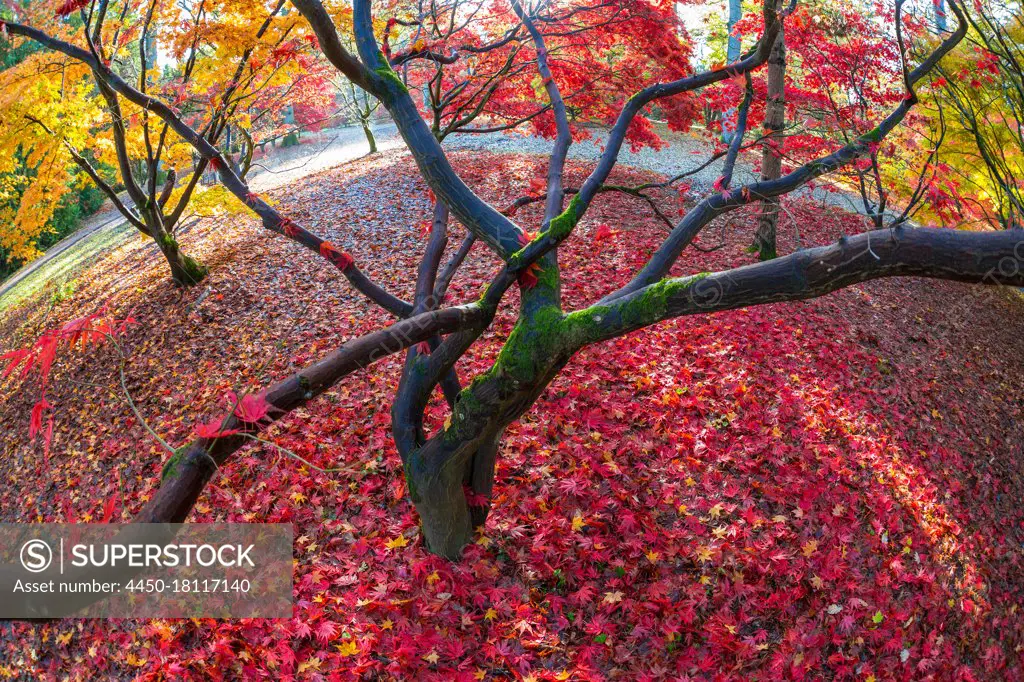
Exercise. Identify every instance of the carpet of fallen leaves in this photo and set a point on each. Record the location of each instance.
(822, 490)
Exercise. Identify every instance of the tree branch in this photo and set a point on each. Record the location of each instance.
(991, 258)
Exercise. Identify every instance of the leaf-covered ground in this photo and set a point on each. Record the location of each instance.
(823, 490)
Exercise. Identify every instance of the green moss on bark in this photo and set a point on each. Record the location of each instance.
(652, 304)
(563, 223)
(559, 228)
(387, 73)
(173, 463)
(194, 271)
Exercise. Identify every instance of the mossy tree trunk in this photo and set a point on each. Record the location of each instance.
(462, 457)
(185, 270)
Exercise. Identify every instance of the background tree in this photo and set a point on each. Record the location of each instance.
(361, 106)
(58, 111)
(450, 469)
(76, 199)
(771, 157)
(980, 94)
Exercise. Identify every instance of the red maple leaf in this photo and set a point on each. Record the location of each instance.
(70, 7)
(289, 227)
(15, 357)
(342, 259)
(212, 429)
(604, 231)
(36, 421)
(250, 408)
(528, 277)
(325, 631)
(108, 510)
(526, 237)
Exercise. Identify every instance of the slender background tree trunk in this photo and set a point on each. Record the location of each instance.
(771, 157)
(732, 54)
(369, 137)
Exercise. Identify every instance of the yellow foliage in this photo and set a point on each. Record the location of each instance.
(49, 102)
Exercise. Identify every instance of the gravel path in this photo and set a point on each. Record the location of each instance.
(682, 153)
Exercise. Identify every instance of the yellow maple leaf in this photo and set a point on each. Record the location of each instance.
(491, 614)
(432, 658)
(400, 541)
(386, 625)
(349, 648)
(135, 661)
(578, 522)
(312, 663)
(716, 511)
(810, 547)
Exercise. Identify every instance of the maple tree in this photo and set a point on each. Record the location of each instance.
(449, 469)
(980, 100)
(234, 66)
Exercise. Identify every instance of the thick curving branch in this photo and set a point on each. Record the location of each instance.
(376, 76)
(992, 258)
(192, 466)
(563, 138)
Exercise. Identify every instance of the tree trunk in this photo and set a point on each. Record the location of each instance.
(732, 54)
(771, 156)
(440, 501)
(185, 270)
(480, 478)
(370, 138)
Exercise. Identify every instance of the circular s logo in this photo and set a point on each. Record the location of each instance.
(36, 556)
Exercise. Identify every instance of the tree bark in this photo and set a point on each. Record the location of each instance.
(370, 138)
(771, 156)
(480, 478)
(439, 496)
(185, 270)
